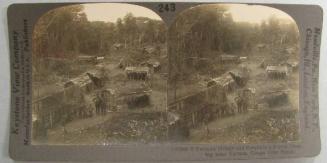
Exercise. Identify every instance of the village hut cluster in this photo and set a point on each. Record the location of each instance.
(222, 96)
(230, 94)
(124, 88)
(97, 92)
(72, 100)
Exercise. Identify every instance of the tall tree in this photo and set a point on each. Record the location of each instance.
(54, 34)
(130, 28)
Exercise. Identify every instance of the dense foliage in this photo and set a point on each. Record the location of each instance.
(205, 32)
(66, 32)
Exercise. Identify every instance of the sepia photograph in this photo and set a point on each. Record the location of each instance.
(163, 81)
(99, 76)
(111, 73)
(233, 75)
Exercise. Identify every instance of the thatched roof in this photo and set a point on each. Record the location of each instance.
(137, 69)
(222, 80)
(281, 69)
(226, 57)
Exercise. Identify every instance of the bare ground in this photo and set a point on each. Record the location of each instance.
(253, 127)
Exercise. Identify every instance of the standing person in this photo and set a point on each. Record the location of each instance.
(96, 104)
(64, 131)
(206, 123)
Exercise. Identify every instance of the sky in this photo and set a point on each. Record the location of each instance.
(112, 11)
(255, 13)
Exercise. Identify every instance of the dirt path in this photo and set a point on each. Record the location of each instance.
(201, 134)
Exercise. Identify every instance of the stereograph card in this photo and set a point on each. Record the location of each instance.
(164, 81)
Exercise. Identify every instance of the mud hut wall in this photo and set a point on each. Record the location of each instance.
(139, 100)
(277, 74)
(231, 86)
(215, 95)
(276, 99)
(137, 75)
(192, 110)
(49, 109)
(109, 99)
(195, 109)
(73, 95)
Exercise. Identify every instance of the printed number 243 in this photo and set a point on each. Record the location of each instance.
(167, 7)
